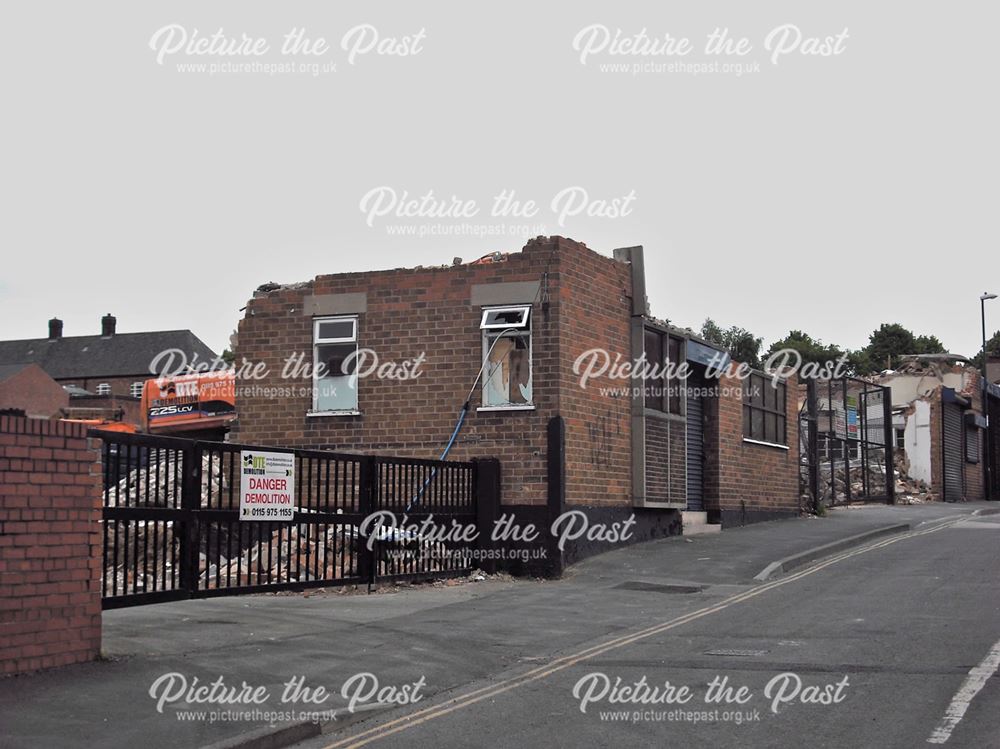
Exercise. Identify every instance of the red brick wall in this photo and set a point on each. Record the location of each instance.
(119, 385)
(35, 392)
(50, 545)
(743, 475)
(429, 310)
(974, 485)
(595, 304)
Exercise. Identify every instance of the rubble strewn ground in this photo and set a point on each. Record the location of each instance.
(144, 555)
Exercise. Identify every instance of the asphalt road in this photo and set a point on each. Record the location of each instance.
(888, 633)
(905, 620)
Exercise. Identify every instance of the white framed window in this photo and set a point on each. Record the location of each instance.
(499, 318)
(104, 389)
(335, 353)
(506, 335)
(135, 389)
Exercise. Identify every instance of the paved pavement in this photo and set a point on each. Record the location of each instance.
(905, 623)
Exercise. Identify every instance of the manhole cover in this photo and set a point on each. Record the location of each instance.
(736, 651)
(660, 587)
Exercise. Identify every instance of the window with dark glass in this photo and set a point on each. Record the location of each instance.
(663, 356)
(971, 444)
(764, 409)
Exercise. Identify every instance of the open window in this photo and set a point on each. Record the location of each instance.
(499, 318)
(335, 348)
(506, 357)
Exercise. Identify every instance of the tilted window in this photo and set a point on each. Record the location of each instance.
(506, 333)
(500, 318)
(335, 347)
(663, 355)
(764, 409)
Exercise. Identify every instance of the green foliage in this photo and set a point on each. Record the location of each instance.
(743, 345)
(992, 346)
(888, 344)
(810, 349)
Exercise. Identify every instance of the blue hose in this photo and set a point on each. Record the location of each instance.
(451, 442)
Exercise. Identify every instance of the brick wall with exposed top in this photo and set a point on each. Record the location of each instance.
(50, 545)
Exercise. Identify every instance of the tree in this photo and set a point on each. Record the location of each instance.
(860, 363)
(992, 348)
(810, 349)
(743, 345)
(887, 345)
(928, 344)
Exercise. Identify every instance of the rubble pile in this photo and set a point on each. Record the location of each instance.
(240, 554)
(149, 550)
(317, 553)
(909, 491)
(158, 484)
(834, 487)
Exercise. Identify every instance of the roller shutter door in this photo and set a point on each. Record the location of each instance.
(953, 453)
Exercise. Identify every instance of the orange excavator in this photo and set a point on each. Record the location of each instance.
(201, 405)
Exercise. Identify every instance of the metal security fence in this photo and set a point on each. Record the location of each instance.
(846, 447)
(172, 528)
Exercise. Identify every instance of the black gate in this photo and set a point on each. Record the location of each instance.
(846, 448)
(171, 527)
(992, 441)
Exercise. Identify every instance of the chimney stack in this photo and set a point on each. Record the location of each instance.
(55, 328)
(108, 325)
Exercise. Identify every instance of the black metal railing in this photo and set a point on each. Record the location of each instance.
(846, 442)
(171, 526)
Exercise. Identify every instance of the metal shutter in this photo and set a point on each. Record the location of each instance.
(695, 454)
(952, 452)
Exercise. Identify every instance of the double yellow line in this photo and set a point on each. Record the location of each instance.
(426, 714)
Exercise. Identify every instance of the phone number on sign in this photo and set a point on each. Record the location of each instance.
(278, 513)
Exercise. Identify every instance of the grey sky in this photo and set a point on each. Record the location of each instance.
(829, 194)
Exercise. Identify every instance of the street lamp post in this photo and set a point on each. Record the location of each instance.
(987, 446)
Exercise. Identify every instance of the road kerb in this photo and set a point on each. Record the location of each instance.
(818, 552)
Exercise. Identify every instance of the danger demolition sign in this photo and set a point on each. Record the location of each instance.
(267, 485)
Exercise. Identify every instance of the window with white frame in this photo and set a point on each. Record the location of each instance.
(335, 347)
(104, 389)
(136, 389)
(506, 356)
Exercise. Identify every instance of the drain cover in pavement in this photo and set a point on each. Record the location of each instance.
(660, 587)
(736, 651)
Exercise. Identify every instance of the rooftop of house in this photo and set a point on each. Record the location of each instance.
(109, 354)
(9, 370)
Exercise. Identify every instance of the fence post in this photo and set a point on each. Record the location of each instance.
(556, 476)
(486, 495)
(812, 442)
(367, 504)
(890, 445)
(190, 539)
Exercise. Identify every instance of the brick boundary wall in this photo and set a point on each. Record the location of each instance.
(50, 545)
